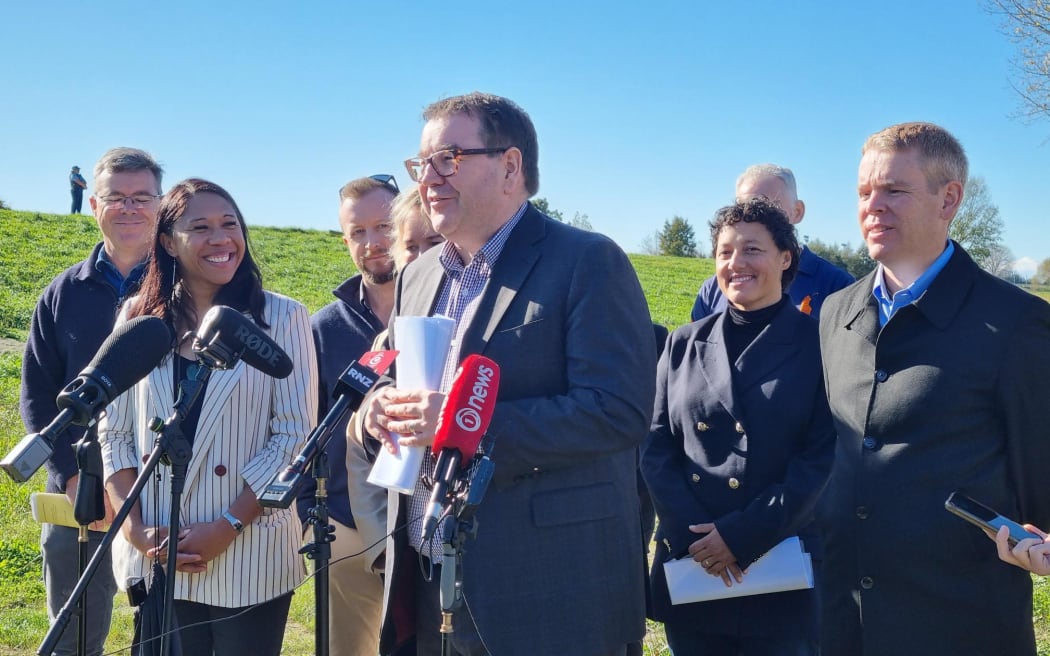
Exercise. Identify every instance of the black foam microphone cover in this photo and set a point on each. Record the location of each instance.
(226, 335)
(130, 352)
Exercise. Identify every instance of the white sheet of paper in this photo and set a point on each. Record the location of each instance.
(423, 344)
(784, 567)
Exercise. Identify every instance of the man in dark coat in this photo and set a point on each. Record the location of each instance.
(936, 376)
(556, 566)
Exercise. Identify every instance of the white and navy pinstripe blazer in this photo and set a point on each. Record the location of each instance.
(251, 425)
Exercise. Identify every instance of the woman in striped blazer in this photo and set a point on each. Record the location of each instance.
(238, 562)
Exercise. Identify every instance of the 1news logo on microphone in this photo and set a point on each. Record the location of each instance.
(469, 418)
(475, 378)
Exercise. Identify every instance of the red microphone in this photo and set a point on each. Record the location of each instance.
(464, 418)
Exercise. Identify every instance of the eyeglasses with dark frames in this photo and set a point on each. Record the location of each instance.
(445, 162)
(137, 200)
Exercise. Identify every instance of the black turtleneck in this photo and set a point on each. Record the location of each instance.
(743, 327)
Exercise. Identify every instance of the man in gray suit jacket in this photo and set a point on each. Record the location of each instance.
(936, 376)
(556, 566)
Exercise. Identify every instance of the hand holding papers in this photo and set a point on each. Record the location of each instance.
(423, 343)
(784, 567)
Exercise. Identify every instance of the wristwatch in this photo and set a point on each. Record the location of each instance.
(237, 524)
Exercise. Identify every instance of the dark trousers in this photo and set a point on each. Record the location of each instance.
(247, 631)
(78, 200)
(690, 641)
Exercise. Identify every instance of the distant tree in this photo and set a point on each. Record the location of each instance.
(999, 262)
(545, 207)
(854, 260)
(3, 205)
(649, 243)
(1027, 23)
(977, 226)
(1042, 273)
(581, 221)
(677, 238)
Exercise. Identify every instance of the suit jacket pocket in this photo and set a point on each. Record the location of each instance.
(574, 505)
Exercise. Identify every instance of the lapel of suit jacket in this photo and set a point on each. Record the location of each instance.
(863, 315)
(773, 345)
(220, 386)
(948, 291)
(714, 364)
(423, 289)
(518, 258)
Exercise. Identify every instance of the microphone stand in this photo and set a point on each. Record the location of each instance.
(353, 384)
(173, 447)
(320, 551)
(88, 508)
(458, 525)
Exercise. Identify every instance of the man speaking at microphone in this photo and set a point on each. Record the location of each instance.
(73, 317)
(556, 567)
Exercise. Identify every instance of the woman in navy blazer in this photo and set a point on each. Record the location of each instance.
(741, 444)
(238, 562)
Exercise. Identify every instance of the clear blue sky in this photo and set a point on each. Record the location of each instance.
(644, 110)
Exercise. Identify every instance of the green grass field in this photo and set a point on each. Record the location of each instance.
(304, 264)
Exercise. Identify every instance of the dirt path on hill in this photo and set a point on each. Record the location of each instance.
(11, 345)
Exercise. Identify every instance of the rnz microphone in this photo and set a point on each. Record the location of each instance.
(464, 418)
(225, 336)
(128, 354)
(355, 381)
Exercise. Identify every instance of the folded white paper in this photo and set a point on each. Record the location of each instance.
(423, 344)
(784, 567)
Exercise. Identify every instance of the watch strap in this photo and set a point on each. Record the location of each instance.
(237, 524)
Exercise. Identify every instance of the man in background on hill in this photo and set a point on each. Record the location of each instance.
(936, 376)
(816, 279)
(77, 185)
(73, 317)
(343, 330)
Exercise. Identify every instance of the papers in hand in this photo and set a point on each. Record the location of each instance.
(784, 567)
(423, 344)
(54, 508)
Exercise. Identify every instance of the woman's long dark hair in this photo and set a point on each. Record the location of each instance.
(162, 294)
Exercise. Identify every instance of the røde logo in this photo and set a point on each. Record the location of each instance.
(254, 342)
(469, 418)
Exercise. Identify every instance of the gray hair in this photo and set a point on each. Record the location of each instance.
(782, 173)
(129, 160)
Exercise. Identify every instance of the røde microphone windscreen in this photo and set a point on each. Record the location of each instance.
(128, 354)
(225, 335)
(464, 418)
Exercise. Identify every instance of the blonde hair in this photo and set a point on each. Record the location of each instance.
(943, 157)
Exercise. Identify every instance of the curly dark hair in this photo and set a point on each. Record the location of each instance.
(163, 297)
(760, 210)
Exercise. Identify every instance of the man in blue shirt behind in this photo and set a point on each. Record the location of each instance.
(816, 279)
(73, 317)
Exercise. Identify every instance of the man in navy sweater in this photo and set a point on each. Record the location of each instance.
(73, 317)
(343, 330)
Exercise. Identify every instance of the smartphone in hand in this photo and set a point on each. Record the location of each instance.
(984, 517)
